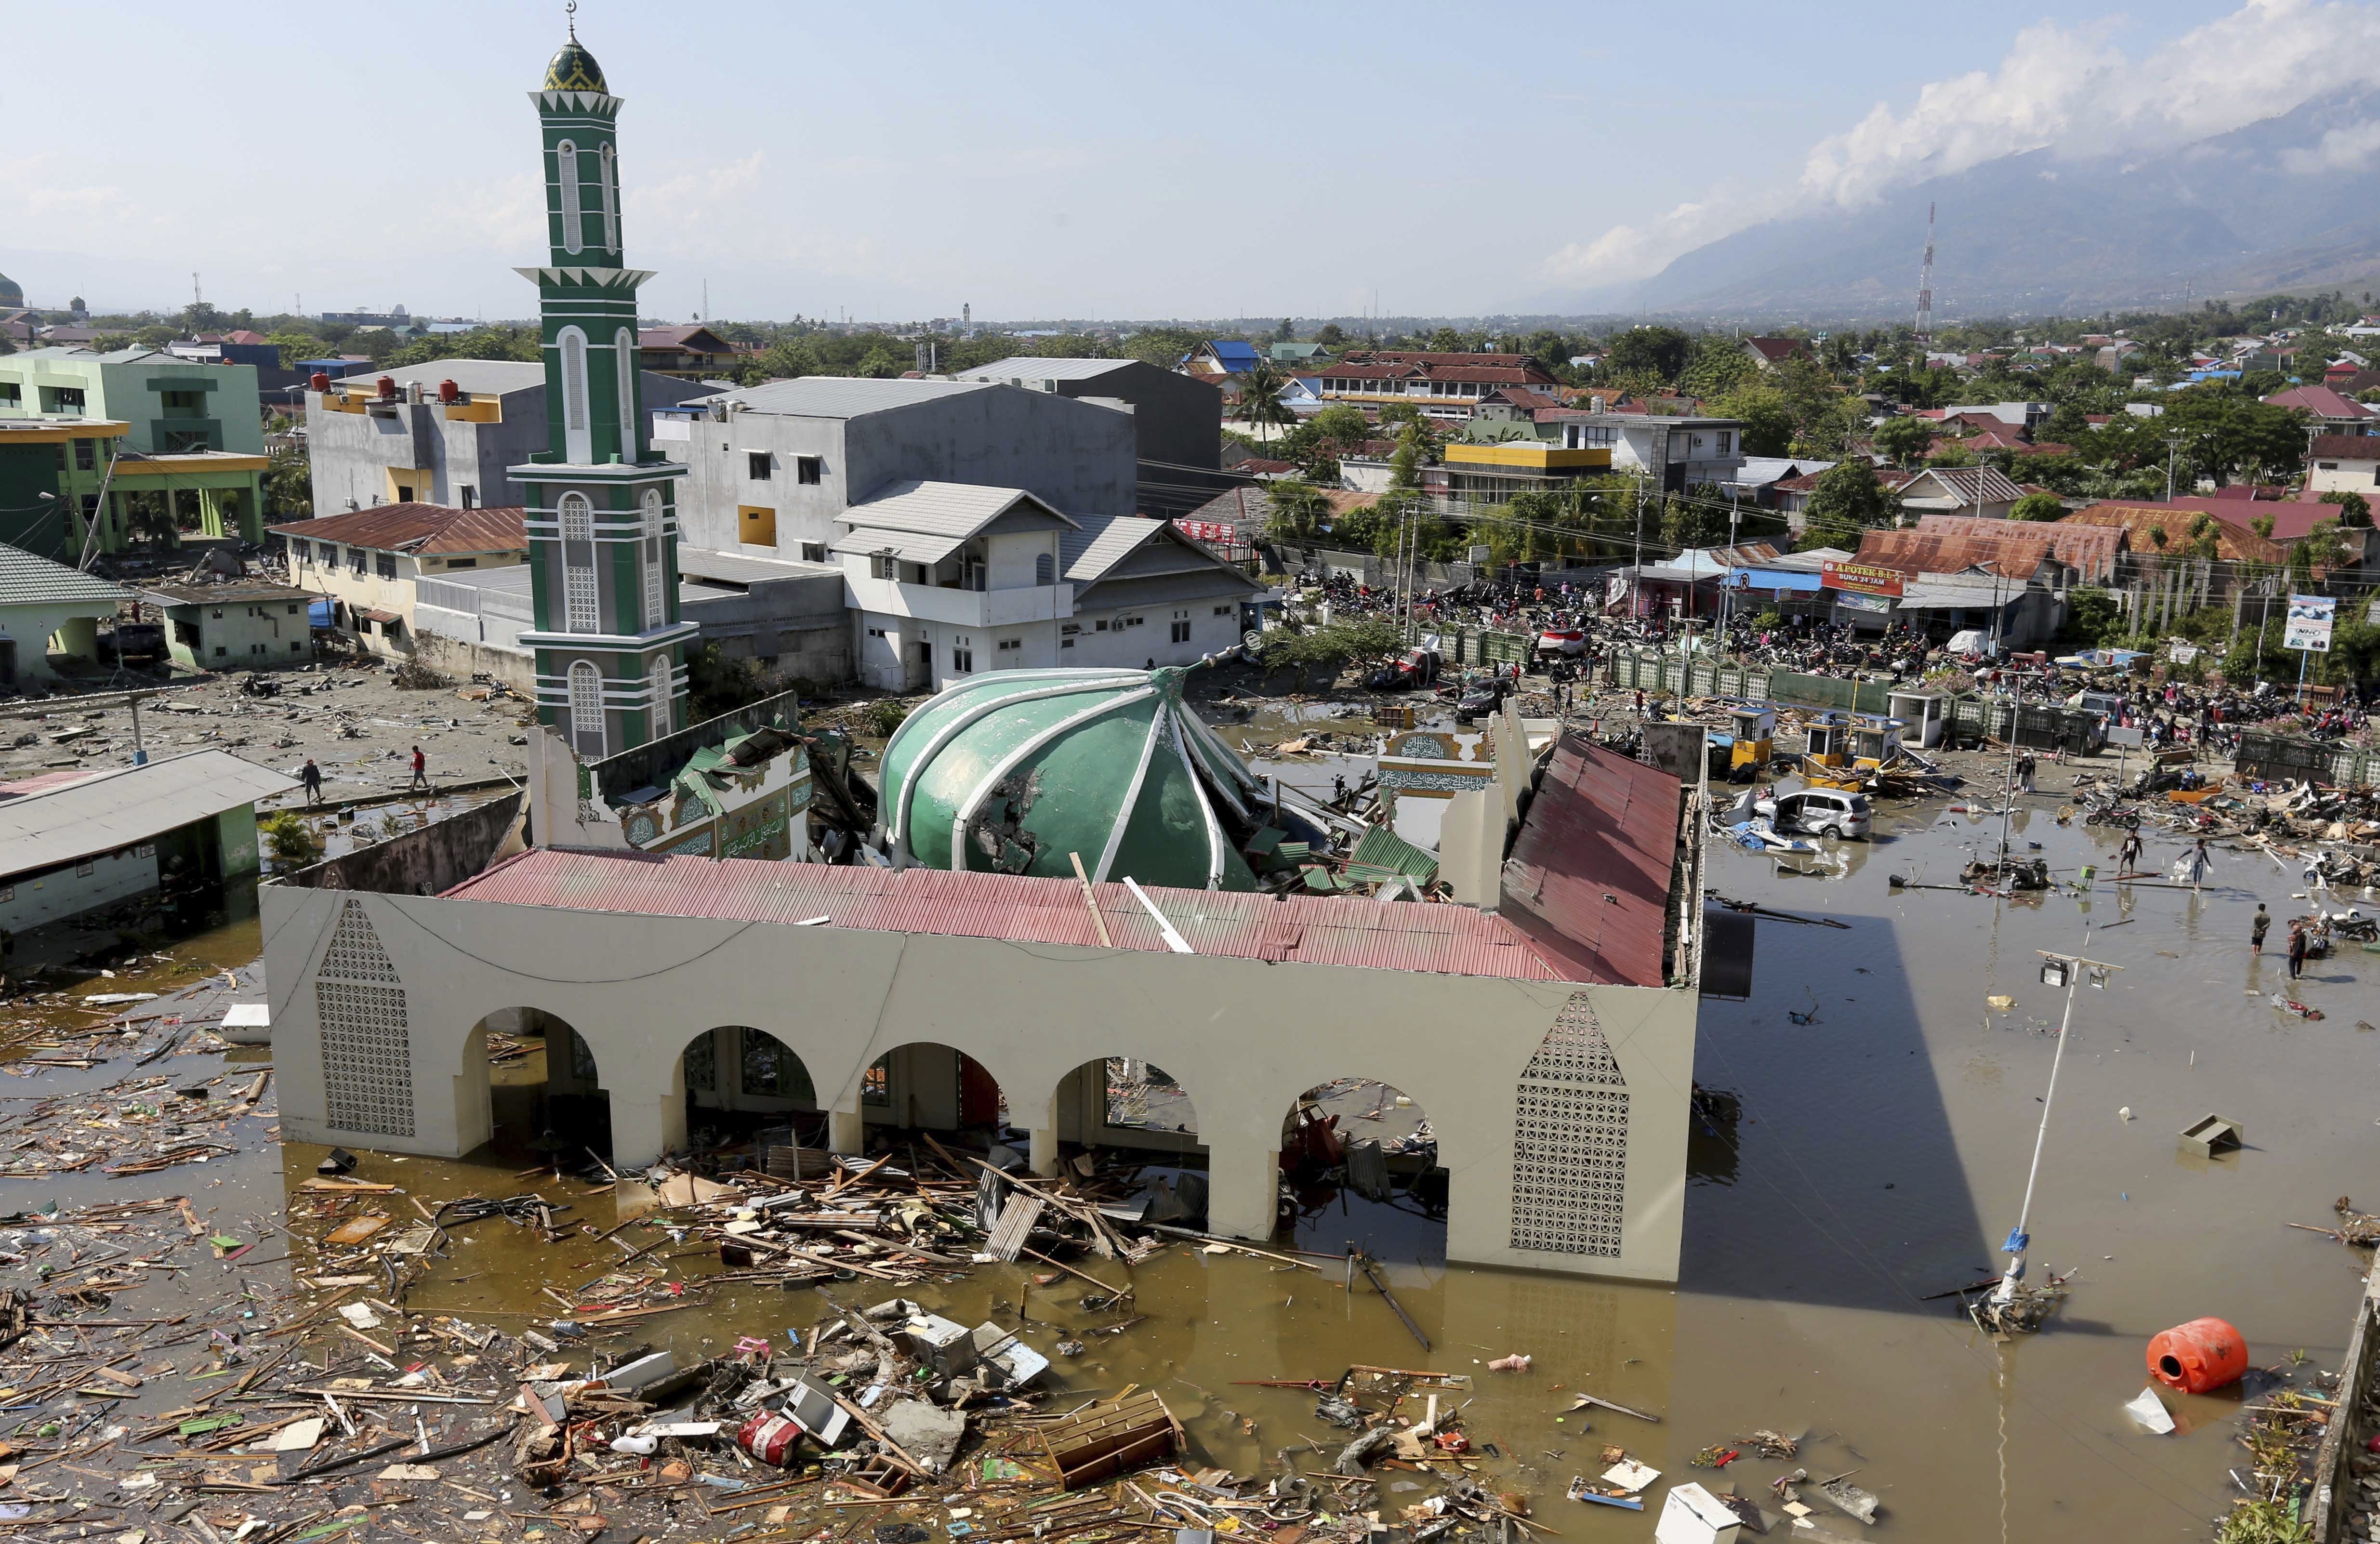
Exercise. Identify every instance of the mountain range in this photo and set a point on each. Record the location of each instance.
(2289, 202)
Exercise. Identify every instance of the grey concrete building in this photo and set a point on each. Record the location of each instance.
(1177, 420)
(424, 445)
(1677, 454)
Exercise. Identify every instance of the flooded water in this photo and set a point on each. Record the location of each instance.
(1847, 1169)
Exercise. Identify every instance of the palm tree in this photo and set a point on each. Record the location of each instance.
(1261, 407)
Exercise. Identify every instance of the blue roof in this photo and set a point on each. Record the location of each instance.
(1232, 354)
(1772, 578)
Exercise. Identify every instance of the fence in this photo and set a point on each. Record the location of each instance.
(2272, 757)
(1967, 717)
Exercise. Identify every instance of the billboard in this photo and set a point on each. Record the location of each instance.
(1220, 533)
(2308, 626)
(1857, 579)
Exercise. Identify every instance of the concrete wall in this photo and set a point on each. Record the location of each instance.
(1243, 1037)
(31, 624)
(795, 626)
(437, 857)
(240, 635)
(30, 900)
(1076, 455)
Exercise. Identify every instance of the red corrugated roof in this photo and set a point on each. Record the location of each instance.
(420, 528)
(1443, 939)
(1588, 879)
(2089, 549)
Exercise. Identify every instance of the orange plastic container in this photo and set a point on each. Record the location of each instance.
(2199, 1356)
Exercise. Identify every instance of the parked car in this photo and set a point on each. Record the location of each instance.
(1820, 811)
(1414, 668)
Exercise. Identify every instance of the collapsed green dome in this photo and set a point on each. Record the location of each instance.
(1011, 771)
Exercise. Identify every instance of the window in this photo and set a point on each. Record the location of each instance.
(1101, 627)
(756, 526)
(85, 455)
(1181, 632)
(11, 394)
(580, 610)
(293, 611)
(1727, 442)
(656, 563)
(623, 363)
(882, 567)
(470, 496)
(755, 465)
(806, 470)
(813, 551)
(661, 684)
(384, 564)
(1066, 643)
(962, 659)
(611, 201)
(574, 395)
(1045, 569)
(404, 493)
(295, 645)
(1130, 622)
(355, 561)
(565, 162)
(1222, 611)
(1008, 644)
(256, 649)
(875, 632)
(220, 650)
(587, 709)
(462, 563)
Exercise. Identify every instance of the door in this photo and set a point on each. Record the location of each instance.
(921, 666)
(7, 662)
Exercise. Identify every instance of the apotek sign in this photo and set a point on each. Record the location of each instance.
(1858, 579)
(1221, 533)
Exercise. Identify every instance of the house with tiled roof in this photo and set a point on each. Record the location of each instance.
(2344, 464)
(2329, 410)
(1769, 353)
(368, 562)
(692, 353)
(1985, 491)
(1442, 384)
(49, 607)
(2093, 552)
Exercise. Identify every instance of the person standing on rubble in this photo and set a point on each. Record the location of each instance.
(2128, 856)
(420, 771)
(311, 777)
(2297, 949)
(2258, 928)
(2200, 860)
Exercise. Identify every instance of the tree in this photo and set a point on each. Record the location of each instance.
(2092, 618)
(1332, 335)
(1767, 419)
(1284, 332)
(1261, 404)
(1716, 367)
(1660, 351)
(289, 487)
(1297, 508)
(1404, 466)
(1341, 426)
(2038, 506)
(1904, 439)
(1847, 500)
(2354, 509)
(1395, 413)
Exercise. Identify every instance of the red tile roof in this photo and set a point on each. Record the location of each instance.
(1416, 936)
(1588, 879)
(2322, 402)
(2089, 550)
(418, 528)
(1773, 350)
(2345, 447)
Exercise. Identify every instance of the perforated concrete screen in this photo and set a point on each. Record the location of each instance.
(1570, 1141)
(367, 1044)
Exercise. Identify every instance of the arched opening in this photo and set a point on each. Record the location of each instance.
(565, 168)
(1138, 1128)
(1360, 1163)
(586, 710)
(530, 1091)
(745, 1085)
(656, 563)
(926, 1086)
(575, 439)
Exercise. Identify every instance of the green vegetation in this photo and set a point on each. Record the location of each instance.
(1847, 502)
(290, 840)
(885, 716)
(1330, 648)
(2037, 506)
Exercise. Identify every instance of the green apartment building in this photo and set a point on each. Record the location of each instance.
(186, 439)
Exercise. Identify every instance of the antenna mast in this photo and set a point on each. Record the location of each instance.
(1926, 284)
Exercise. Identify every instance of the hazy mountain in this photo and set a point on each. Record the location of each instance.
(2284, 203)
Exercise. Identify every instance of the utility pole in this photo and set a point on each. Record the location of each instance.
(2056, 970)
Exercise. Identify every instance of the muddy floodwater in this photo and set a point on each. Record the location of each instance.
(1845, 1170)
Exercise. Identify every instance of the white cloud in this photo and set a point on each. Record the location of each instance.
(2063, 88)
(2341, 149)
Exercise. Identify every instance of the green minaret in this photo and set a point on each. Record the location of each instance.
(602, 511)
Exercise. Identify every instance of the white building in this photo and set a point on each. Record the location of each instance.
(946, 579)
(1678, 453)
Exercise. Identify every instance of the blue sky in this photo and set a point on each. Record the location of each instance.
(894, 160)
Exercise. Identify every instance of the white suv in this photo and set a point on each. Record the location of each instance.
(1819, 811)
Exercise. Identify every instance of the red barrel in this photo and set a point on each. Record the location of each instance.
(2199, 1356)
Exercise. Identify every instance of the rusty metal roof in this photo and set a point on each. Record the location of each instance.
(1588, 879)
(2091, 550)
(1415, 936)
(2017, 553)
(418, 528)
